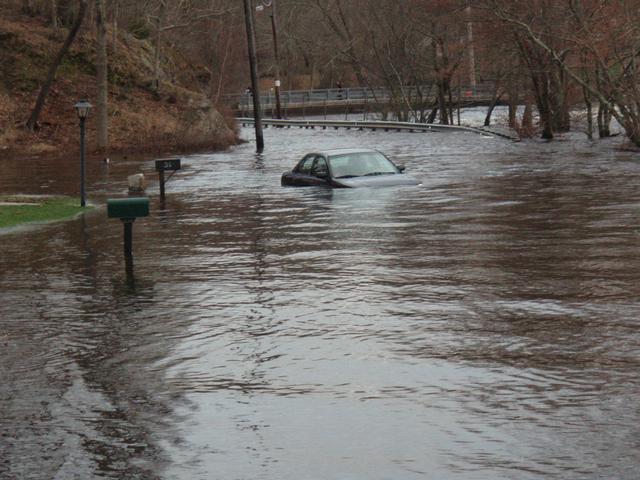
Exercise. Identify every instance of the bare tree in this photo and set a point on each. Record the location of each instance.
(51, 75)
(606, 33)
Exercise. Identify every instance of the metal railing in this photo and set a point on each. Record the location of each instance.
(359, 96)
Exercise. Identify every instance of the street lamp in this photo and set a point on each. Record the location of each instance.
(83, 107)
(274, 31)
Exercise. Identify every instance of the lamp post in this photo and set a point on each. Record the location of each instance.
(274, 31)
(82, 108)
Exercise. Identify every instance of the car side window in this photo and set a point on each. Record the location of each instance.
(320, 168)
(305, 165)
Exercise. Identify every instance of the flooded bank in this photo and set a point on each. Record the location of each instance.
(481, 326)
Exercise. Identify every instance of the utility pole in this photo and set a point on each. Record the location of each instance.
(274, 29)
(253, 64)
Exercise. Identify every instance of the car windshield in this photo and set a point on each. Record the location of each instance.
(361, 164)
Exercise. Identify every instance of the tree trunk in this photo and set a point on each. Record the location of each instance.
(67, 13)
(441, 82)
(102, 108)
(433, 115)
(158, 41)
(215, 93)
(27, 7)
(587, 101)
(527, 121)
(450, 97)
(459, 95)
(527, 116)
(633, 132)
(538, 65)
(51, 75)
(513, 105)
(442, 102)
(547, 125)
(471, 49)
(497, 95)
(53, 5)
(559, 100)
(114, 37)
(541, 87)
(604, 121)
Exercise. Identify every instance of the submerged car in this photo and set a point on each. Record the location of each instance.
(347, 168)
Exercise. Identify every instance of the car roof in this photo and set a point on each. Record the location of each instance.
(344, 151)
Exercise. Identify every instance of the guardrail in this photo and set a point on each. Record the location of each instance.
(374, 125)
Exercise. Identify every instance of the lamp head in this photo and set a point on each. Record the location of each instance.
(82, 108)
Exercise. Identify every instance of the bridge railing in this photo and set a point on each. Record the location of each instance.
(360, 95)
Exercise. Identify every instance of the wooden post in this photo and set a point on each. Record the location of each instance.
(128, 237)
(162, 181)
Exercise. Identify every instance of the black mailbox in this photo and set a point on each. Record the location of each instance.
(172, 164)
(167, 165)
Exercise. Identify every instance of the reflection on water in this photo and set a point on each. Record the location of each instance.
(481, 326)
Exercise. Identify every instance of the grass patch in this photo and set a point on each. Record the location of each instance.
(20, 209)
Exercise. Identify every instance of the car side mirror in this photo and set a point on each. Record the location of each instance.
(402, 168)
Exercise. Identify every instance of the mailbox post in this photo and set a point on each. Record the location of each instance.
(172, 165)
(127, 210)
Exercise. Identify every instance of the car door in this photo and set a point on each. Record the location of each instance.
(301, 175)
(320, 172)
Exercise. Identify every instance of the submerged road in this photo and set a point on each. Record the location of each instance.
(482, 326)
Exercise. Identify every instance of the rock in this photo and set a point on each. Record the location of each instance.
(204, 124)
(137, 182)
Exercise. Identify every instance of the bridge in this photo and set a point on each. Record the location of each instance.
(379, 125)
(352, 100)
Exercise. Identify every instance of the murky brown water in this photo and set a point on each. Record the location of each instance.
(484, 326)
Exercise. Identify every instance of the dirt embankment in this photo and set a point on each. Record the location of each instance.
(176, 118)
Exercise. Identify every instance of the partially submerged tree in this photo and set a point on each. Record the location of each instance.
(603, 34)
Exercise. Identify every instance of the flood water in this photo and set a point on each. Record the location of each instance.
(482, 326)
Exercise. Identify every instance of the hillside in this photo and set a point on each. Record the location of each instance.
(174, 118)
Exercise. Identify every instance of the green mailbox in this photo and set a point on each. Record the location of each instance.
(128, 208)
